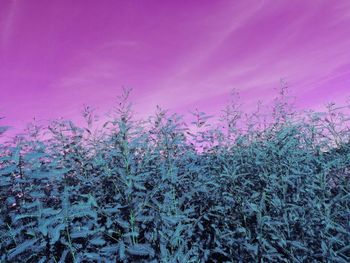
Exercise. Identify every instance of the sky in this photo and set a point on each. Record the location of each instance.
(57, 55)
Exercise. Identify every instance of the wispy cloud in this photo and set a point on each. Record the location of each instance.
(176, 59)
(118, 43)
(7, 23)
(298, 44)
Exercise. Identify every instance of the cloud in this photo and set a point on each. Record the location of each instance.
(119, 43)
(7, 24)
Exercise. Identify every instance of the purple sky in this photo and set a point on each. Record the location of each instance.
(57, 55)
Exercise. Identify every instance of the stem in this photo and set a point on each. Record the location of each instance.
(70, 244)
(13, 237)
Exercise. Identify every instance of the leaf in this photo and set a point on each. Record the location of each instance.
(252, 248)
(16, 155)
(33, 155)
(131, 234)
(172, 220)
(141, 250)
(5, 181)
(8, 170)
(163, 251)
(41, 175)
(18, 217)
(50, 211)
(253, 207)
(110, 250)
(36, 194)
(121, 251)
(55, 233)
(43, 228)
(144, 219)
(19, 249)
(111, 210)
(298, 245)
(200, 226)
(139, 186)
(344, 249)
(82, 210)
(92, 201)
(81, 233)
(98, 241)
(241, 230)
(10, 200)
(94, 256)
(124, 224)
(63, 256)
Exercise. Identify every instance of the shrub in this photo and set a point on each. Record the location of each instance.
(158, 191)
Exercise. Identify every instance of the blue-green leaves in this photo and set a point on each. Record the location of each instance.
(141, 250)
(161, 191)
(21, 248)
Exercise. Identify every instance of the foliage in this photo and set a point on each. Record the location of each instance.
(158, 191)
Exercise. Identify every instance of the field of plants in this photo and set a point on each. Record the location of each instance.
(250, 189)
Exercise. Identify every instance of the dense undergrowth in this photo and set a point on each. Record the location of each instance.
(157, 191)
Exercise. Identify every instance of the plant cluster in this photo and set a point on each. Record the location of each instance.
(156, 191)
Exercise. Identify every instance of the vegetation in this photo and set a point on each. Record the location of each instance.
(247, 190)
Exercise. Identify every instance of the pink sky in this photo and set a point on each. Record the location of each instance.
(57, 55)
